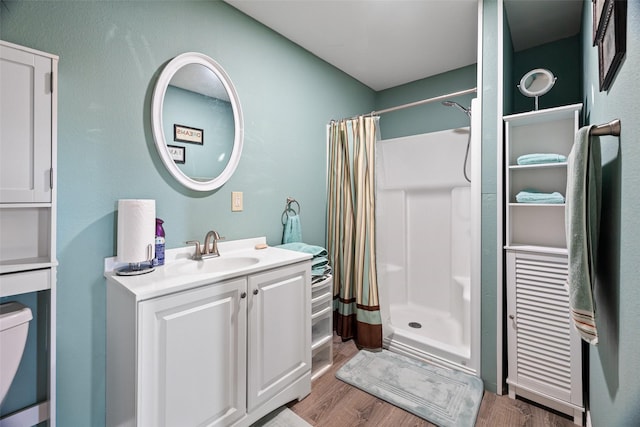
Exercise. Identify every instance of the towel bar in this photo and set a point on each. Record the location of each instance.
(611, 128)
(288, 209)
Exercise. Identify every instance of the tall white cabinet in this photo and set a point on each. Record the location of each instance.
(28, 139)
(544, 349)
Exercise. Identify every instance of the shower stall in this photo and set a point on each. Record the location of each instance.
(427, 246)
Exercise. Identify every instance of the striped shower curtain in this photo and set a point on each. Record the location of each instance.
(350, 230)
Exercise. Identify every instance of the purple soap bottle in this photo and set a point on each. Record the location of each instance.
(159, 259)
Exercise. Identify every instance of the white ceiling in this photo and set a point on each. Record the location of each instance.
(386, 43)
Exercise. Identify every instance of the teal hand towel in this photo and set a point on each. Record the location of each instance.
(540, 158)
(321, 270)
(530, 196)
(582, 221)
(292, 230)
(319, 261)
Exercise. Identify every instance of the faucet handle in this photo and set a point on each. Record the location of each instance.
(198, 255)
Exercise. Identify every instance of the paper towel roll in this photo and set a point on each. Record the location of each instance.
(136, 230)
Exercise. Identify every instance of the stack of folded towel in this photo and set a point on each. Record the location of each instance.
(533, 196)
(540, 158)
(320, 267)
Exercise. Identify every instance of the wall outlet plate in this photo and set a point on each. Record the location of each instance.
(236, 201)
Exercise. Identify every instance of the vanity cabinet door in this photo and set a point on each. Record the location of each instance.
(279, 331)
(26, 126)
(192, 357)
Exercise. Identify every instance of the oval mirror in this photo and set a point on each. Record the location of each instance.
(196, 121)
(536, 82)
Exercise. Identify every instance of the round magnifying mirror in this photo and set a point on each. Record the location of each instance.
(536, 82)
(197, 122)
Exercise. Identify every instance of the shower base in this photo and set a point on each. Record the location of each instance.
(439, 339)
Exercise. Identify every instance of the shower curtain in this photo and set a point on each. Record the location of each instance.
(350, 230)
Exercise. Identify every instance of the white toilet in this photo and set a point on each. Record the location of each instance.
(14, 325)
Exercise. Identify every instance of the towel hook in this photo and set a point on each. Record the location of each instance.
(288, 209)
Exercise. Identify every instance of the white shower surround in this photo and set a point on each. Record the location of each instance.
(425, 241)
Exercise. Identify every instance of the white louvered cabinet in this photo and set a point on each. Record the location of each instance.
(545, 357)
(544, 351)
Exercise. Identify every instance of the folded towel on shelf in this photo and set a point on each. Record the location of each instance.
(318, 251)
(532, 196)
(582, 220)
(319, 262)
(540, 158)
(322, 272)
(292, 229)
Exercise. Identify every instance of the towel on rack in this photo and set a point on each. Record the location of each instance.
(582, 221)
(540, 158)
(292, 229)
(533, 196)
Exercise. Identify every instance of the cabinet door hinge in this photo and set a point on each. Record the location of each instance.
(51, 82)
(51, 178)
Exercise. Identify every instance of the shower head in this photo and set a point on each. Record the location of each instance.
(467, 111)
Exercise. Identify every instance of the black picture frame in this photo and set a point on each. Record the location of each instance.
(612, 44)
(178, 153)
(599, 17)
(188, 134)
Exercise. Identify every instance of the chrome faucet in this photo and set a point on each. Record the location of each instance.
(207, 250)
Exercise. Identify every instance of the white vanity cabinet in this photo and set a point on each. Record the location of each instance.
(279, 332)
(192, 356)
(219, 353)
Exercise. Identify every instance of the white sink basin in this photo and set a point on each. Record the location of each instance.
(220, 264)
(237, 258)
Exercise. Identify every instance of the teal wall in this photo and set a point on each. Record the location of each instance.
(490, 172)
(430, 117)
(564, 59)
(508, 87)
(111, 54)
(613, 364)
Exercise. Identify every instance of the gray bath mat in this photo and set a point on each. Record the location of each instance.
(442, 396)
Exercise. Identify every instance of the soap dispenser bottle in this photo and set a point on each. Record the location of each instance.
(159, 259)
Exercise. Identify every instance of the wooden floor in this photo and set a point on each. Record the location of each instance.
(333, 403)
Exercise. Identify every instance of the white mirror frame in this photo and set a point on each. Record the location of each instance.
(530, 93)
(157, 105)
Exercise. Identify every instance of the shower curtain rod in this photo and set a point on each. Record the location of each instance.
(416, 103)
(424, 101)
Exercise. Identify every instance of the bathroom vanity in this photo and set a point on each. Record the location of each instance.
(218, 342)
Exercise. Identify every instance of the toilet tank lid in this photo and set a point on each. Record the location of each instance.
(13, 314)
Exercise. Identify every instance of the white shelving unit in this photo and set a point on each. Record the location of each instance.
(321, 327)
(28, 144)
(544, 350)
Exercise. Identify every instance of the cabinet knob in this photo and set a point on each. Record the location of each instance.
(511, 316)
(243, 295)
(255, 292)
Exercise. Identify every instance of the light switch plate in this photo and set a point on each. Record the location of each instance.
(236, 201)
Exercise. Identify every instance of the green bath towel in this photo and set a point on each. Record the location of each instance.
(582, 220)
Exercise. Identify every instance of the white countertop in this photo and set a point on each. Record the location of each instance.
(180, 272)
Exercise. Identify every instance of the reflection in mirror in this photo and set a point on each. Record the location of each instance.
(197, 122)
(196, 100)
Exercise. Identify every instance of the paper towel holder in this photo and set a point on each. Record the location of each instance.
(136, 236)
(135, 268)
